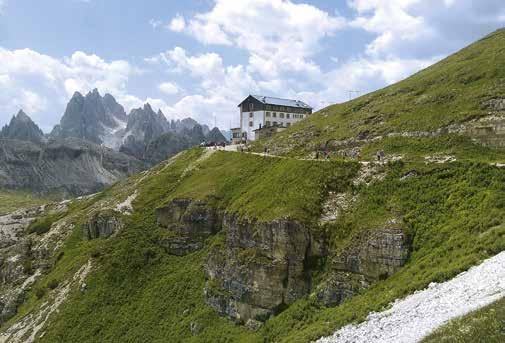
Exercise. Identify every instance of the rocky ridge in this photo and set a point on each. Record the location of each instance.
(36, 167)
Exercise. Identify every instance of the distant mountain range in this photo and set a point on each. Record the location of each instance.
(92, 127)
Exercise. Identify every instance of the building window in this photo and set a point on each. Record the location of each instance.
(268, 114)
(267, 123)
(275, 123)
(251, 106)
(251, 124)
(288, 124)
(251, 115)
(288, 115)
(281, 115)
(274, 115)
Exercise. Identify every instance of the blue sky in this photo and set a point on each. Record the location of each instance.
(200, 58)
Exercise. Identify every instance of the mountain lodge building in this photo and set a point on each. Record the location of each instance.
(258, 112)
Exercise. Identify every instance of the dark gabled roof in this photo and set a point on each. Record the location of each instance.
(268, 100)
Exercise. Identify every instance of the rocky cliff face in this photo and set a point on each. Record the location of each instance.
(256, 269)
(102, 224)
(22, 127)
(144, 125)
(259, 269)
(373, 255)
(68, 166)
(191, 222)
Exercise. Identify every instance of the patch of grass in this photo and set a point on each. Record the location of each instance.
(266, 188)
(14, 200)
(485, 325)
(42, 225)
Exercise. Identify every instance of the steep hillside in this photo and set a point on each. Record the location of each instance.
(462, 94)
(157, 264)
(65, 167)
(217, 246)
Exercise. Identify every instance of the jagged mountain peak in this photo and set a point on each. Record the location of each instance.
(147, 107)
(22, 116)
(91, 117)
(77, 94)
(94, 93)
(23, 128)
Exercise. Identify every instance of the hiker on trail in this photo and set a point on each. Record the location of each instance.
(317, 154)
(265, 150)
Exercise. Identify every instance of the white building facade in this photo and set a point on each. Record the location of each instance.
(258, 111)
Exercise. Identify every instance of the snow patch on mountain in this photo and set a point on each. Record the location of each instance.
(413, 318)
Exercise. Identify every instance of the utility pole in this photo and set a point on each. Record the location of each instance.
(352, 92)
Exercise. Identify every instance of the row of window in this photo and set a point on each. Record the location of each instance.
(268, 123)
(285, 109)
(281, 115)
(251, 107)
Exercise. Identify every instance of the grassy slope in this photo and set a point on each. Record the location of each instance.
(486, 325)
(454, 214)
(141, 293)
(450, 91)
(11, 200)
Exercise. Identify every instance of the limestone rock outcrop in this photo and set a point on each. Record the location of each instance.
(25, 256)
(372, 256)
(188, 223)
(102, 224)
(256, 269)
(259, 269)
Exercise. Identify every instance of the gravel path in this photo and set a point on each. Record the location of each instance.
(413, 318)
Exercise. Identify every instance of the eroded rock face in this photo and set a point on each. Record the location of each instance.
(375, 255)
(102, 225)
(23, 256)
(259, 269)
(190, 222)
(256, 269)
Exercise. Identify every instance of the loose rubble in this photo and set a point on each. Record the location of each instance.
(413, 318)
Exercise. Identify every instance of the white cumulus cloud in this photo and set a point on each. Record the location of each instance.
(168, 88)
